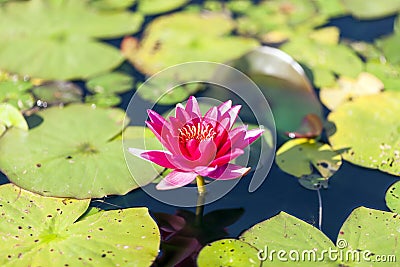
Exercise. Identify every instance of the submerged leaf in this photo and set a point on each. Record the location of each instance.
(311, 127)
(65, 47)
(58, 92)
(368, 129)
(308, 160)
(44, 231)
(72, 153)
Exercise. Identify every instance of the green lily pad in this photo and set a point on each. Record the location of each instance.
(103, 100)
(347, 89)
(332, 8)
(70, 154)
(154, 7)
(389, 46)
(44, 231)
(16, 93)
(11, 117)
(371, 233)
(228, 252)
(367, 129)
(392, 197)
(389, 74)
(110, 83)
(58, 92)
(285, 232)
(325, 60)
(66, 46)
(196, 36)
(371, 9)
(308, 160)
(112, 4)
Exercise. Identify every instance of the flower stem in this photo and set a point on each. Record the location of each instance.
(200, 185)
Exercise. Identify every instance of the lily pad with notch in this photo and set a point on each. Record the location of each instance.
(310, 161)
(72, 153)
(392, 197)
(46, 231)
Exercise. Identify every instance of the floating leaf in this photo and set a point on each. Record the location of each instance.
(65, 47)
(110, 83)
(44, 231)
(70, 154)
(332, 8)
(306, 158)
(333, 59)
(111, 4)
(393, 197)
(368, 129)
(389, 74)
(54, 93)
(16, 93)
(154, 7)
(103, 100)
(285, 232)
(389, 46)
(228, 252)
(373, 234)
(372, 9)
(11, 117)
(348, 89)
(196, 36)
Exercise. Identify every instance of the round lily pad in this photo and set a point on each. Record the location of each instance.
(72, 153)
(45, 231)
(154, 7)
(392, 197)
(308, 159)
(65, 47)
(287, 233)
(371, 233)
(196, 36)
(11, 117)
(228, 252)
(367, 130)
(103, 100)
(371, 9)
(113, 82)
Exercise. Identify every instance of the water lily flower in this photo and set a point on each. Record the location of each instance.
(198, 146)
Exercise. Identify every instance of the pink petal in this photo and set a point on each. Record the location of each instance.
(181, 114)
(229, 171)
(157, 121)
(161, 158)
(207, 151)
(211, 116)
(204, 171)
(252, 135)
(176, 179)
(224, 107)
(192, 107)
(228, 157)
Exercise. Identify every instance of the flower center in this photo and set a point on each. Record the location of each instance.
(199, 132)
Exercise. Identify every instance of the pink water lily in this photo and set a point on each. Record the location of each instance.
(198, 146)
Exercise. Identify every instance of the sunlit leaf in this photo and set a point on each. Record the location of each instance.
(367, 130)
(335, 59)
(228, 252)
(44, 231)
(16, 93)
(65, 46)
(196, 36)
(113, 82)
(392, 197)
(390, 47)
(152, 7)
(70, 154)
(11, 117)
(111, 4)
(374, 234)
(348, 89)
(103, 100)
(389, 74)
(371, 9)
(309, 160)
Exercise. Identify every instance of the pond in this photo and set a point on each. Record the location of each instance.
(324, 170)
